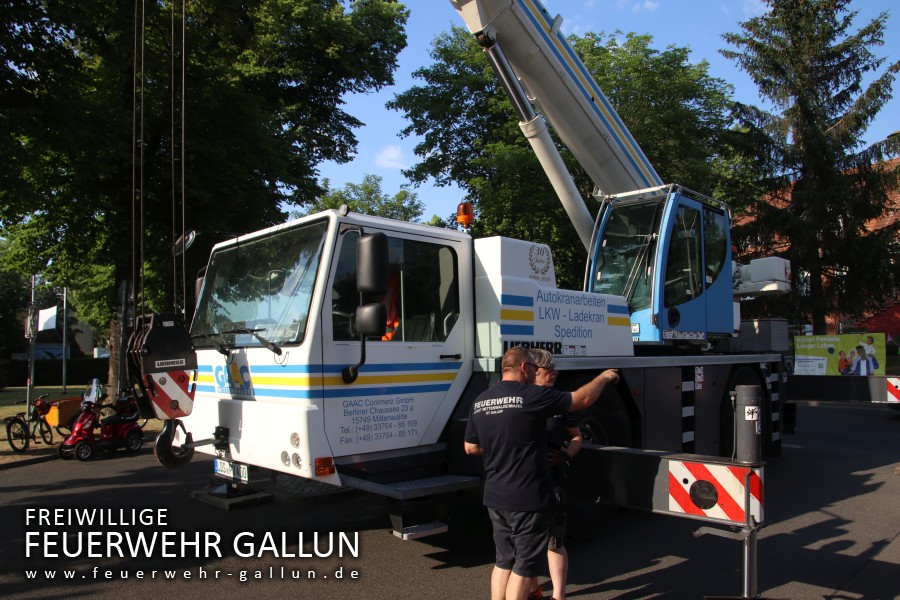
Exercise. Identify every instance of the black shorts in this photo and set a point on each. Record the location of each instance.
(520, 538)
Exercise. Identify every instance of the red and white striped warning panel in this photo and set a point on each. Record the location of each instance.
(893, 389)
(172, 393)
(716, 492)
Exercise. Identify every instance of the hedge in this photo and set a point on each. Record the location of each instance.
(79, 371)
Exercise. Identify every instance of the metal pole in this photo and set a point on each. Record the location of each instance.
(65, 348)
(749, 557)
(32, 314)
(748, 449)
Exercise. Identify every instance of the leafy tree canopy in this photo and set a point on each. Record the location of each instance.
(367, 198)
(91, 120)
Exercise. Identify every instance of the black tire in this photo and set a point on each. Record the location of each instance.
(64, 454)
(83, 451)
(46, 432)
(133, 441)
(607, 422)
(17, 434)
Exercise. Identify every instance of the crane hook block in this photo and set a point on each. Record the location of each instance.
(162, 366)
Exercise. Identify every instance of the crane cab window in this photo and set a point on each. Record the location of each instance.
(684, 268)
(715, 237)
(422, 299)
(623, 265)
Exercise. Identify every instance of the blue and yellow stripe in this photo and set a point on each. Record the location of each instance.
(314, 382)
(520, 311)
(615, 316)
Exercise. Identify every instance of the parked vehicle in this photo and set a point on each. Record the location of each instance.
(348, 349)
(119, 426)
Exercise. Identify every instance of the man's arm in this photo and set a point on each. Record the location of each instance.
(472, 448)
(587, 394)
(575, 441)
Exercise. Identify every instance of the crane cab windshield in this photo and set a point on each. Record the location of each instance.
(665, 251)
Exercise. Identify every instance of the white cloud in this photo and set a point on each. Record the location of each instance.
(754, 8)
(390, 157)
(646, 5)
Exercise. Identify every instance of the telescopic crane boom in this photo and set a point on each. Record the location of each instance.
(551, 75)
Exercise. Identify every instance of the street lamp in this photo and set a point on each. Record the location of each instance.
(65, 305)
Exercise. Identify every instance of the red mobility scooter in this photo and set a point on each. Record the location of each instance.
(119, 424)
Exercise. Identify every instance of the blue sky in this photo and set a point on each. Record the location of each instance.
(697, 24)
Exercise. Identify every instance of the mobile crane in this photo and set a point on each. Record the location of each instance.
(347, 348)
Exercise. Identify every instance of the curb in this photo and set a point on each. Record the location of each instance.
(27, 461)
(5, 466)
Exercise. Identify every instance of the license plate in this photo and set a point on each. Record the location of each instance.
(231, 470)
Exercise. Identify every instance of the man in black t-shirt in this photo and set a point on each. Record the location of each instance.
(508, 426)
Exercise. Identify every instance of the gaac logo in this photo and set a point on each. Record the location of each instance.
(233, 379)
(539, 259)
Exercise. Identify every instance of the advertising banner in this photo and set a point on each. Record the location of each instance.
(845, 354)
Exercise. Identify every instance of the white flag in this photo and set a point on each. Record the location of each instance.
(47, 319)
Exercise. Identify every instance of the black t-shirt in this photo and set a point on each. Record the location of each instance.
(509, 422)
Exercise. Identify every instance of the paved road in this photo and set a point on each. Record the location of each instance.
(832, 511)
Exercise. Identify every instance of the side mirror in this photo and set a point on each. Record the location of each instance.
(371, 280)
(372, 263)
(371, 320)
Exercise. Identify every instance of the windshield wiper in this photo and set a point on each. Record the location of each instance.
(641, 263)
(220, 347)
(271, 346)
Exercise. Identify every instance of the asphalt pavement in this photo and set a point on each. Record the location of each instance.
(832, 531)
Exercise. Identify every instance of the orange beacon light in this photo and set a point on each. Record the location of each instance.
(465, 214)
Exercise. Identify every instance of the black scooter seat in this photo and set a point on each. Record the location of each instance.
(117, 419)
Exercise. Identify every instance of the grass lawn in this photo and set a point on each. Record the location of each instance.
(12, 400)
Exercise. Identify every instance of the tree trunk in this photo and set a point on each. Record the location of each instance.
(114, 377)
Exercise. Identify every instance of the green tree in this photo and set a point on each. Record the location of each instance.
(675, 109)
(93, 130)
(818, 189)
(470, 135)
(367, 198)
(14, 298)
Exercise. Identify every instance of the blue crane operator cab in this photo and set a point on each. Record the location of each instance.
(667, 251)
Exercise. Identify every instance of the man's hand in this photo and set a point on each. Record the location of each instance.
(587, 394)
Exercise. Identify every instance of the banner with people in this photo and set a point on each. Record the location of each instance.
(845, 354)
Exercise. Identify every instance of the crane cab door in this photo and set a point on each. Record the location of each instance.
(694, 299)
(408, 385)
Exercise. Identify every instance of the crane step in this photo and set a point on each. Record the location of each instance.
(418, 531)
(415, 488)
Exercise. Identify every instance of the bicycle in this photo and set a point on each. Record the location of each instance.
(18, 433)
